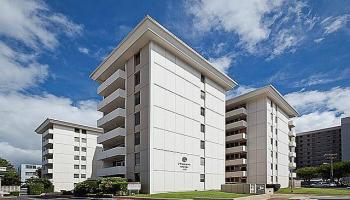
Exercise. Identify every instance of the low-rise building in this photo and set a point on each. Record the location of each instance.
(260, 138)
(68, 153)
(27, 171)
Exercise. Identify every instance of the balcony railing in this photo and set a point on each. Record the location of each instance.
(47, 141)
(292, 165)
(47, 151)
(118, 132)
(236, 112)
(291, 133)
(236, 174)
(292, 144)
(114, 82)
(120, 112)
(236, 125)
(292, 154)
(111, 153)
(239, 136)
(109, 171)
(236, 149)
(240, 161)
(291, 124)
(116, 99)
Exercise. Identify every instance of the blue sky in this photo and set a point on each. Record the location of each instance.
(49, 48)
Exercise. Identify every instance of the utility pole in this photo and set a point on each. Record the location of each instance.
(331, 157)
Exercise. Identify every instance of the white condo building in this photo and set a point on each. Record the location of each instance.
(260, 138)
(163, 113)
(27, 171)
(68, 153)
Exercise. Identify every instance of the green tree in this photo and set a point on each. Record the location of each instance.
(11, 176)
(307, 173)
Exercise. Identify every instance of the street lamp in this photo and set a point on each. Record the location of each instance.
(331, 157)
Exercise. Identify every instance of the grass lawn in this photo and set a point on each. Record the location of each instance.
(316, 191)
(193, 194)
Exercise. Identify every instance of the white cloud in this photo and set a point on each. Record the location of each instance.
(320, 109)
(32, 23)
(285, 40)
(332, 24)
(241, 89)
(84, 50)
(222, 63)
(21, 114)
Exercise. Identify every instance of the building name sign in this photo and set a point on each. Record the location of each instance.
(184, 165)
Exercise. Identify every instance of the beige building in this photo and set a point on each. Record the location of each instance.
(163, 113)
(260, 138)
(68, 153)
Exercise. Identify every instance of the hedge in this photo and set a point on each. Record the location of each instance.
(110, 185)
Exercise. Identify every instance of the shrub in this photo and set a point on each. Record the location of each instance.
(35, 188)
(275, 187)
(114, 185)
(86, 187)
(48, 187)
(16, 193)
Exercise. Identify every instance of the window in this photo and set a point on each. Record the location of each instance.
(137, 138)
(83, 131)
(276, 130)
(137, 158)
(202, 128)
(137, 177)
(202, 178)
(271, 141)
(137, 118)
(202, 78)
(76, 139)
(137, 59)
(276, 143)
(271, 103)
(83, 175)
(83, 166)
(276, 119)
(76, 175)
(276, 166)
(202, 144)
(76, 148)
(202, 111)
(137, 98)
(271, 179)
(271, 129)
(83, 158)
(76, 130)
(271, 166)
(202, 94)
(83, 140)
(137, 78)
(276, 179)
(76, 166)
(76, 157)
(271, 154)
(202, 161)
(271, 117)
(83, 149)
(276, 155)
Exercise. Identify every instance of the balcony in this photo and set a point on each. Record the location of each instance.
(47, 171)
(110, 171)
(240, 136)
(118, 132)
(236, 125)
(292, 165)
(110, 153)
(115, 117)
(236, 174)
(113, 101)
(240, 161)
(48, 131)
(291, 124)
(236, 149)
(47, 151)
(292, 144)
(291, 133)
(48, 161)
(292, 154)
(294, 175)
(47, 141)
(236, 112)
(114, 82)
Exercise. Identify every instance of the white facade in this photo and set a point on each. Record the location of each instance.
(27, 171)
(260, 138)
(345, 138)
(68, 153)
(168, 123)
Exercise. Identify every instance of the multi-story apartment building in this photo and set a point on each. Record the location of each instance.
(163, 113)
(27, 171)
(68, 152)
(260, 138)
(312, 146)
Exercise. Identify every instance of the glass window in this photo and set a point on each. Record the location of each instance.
(76, 139)
(137, 98)
(202, 162)
(202, 128)
(83, 166)
(271, 141)
(137, 138)
(137, 118)
(76, 166)
(137, 59)
(76, 148)
(83, 175)
(137, 78)
(83, 140)
(76, 175)
(202, 178)
(202, 144)
(202, 94)
(276, 166)
(76, 130)
(202, 111)
(83, 131)
(202, 78)
(137, 177)
(83, 158)
(83, 149)
(271, 166)
(76, 157)
(137, 158)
